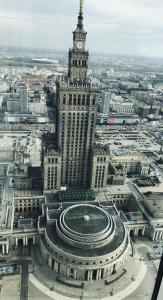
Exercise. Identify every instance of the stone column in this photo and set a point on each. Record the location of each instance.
(24, 241)
(50, 261)
(7, 248)
(16, 241)
(154, 235)
(3, 249)
(99, 274)
(136, 231)
(75, 274)
(90, 275)
(104, 272)
(116, 267)
(111, 269)
(56, 266)
(67, 272)
(143, 231)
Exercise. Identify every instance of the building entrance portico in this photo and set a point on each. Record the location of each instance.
(157, 235)
(137, 231)
(25, 240)
(4, 248)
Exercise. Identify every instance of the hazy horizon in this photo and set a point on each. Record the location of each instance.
(114, 28)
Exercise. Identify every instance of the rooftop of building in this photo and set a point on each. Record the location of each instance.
(76, 194)
(134, 216)
(13, 97)
(5, 205)
(28, 150)
(153, 195)
(51, 152)
(117, 189)
(128, 155)
(101, 149)
(154, 203)
(138, 139)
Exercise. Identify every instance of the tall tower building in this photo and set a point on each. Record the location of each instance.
(105, 101)
(76, 105)
(78, 56)
(22, 91)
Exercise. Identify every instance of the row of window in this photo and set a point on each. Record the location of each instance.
(28, 205)
(52, 160)
(27, 209)
(117, 197)
(83, 263)
(79, 62)
(77, 134)
(101, 159)
(73, 99)
(52, 178)
(99, 179)
(27, 201)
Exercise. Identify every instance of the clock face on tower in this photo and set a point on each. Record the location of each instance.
(79, 45)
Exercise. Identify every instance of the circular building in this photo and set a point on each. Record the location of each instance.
(84, 242)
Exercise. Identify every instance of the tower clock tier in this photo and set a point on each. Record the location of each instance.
(78, 63)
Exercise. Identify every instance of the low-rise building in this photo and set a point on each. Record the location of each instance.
(122, 107)
(131, 162)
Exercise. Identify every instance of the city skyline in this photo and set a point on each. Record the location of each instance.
(126, 28)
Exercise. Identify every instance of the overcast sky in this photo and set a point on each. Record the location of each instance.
(114, 26)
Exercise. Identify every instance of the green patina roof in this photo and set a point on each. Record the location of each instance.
(73, 194)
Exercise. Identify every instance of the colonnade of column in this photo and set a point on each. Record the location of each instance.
(136, 231)
(92, 274)
(157, 235)
(5, 248)
(25, 240)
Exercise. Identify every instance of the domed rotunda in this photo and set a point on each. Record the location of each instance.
(84, 241)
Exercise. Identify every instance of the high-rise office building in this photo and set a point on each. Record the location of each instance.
(76, 106)
(105, 101)
(22, 91)
(76, 113)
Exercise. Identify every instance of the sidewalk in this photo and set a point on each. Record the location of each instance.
(122, 295)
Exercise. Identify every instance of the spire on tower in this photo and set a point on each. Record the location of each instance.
(81, 6)
(80, 17)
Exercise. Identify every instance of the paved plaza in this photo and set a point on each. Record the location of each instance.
(134, 283)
